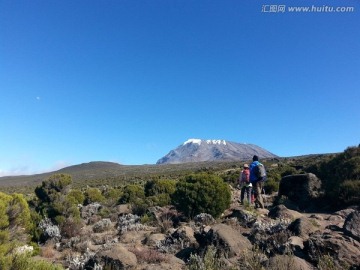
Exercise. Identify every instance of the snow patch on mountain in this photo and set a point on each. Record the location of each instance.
(195, 141)
(216, 142)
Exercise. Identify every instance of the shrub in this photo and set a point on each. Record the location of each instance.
(25, 262)
(132, 193)
(210, 261)
(70, 227)
(4, 218)
(77, 196)
(160, 191)
(350, 192)
(93, 195)
(252, 259)
(158, 186)
(112, 196)
(15, 225)
(340, 176)
(56, 183)
(271, 186)
(201, 193)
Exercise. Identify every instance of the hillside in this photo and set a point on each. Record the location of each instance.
(101, 173)
(109, 173)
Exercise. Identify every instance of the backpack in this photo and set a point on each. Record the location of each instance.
(260, 171)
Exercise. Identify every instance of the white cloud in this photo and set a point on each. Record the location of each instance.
(22, 170)
(59, 165)
(26, 170)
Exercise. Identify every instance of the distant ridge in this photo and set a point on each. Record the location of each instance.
(198, 150)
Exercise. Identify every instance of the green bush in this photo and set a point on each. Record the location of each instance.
(132, 193)
(350, 192)
(201, 193)
(4, 218)
(93, 195)
(58, 202)
(112, 196)
(25, 262)
(340, 176)
(16, 224)
(160, 191)
(56, 183)
(271, 186)
(159, 186)
(77, 196)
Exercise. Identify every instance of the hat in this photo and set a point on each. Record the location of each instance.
(255, 158)
(246, 166)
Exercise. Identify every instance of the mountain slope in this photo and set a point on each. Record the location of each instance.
(197, 150)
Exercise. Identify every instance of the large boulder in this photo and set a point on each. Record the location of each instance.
(118, 257)
(282, 212)
(303, 227)
(181, 241)
(343, 250)
(289, 262)
(301, 189)
(352, 225)
(224, 238)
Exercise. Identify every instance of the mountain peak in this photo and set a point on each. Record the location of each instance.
(199, 141)
(198, 150)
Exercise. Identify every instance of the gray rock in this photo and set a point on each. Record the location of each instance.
(352, 225)
(180, 239)
(229, 241)
(288, 262)
(118, 257)
(301, 189)
(303, 227)
(282, 212)
(155, 239)
(343, 250)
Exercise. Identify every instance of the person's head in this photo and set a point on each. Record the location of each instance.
(255, 158)
(246, 166)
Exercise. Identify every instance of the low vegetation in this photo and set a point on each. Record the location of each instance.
(205, 189)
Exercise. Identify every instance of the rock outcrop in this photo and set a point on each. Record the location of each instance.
(302, 190)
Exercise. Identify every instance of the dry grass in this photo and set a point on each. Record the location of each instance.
(48, 252)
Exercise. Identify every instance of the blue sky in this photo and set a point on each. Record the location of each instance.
(129, 80)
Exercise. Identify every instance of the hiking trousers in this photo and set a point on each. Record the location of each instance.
(247, 191)
(258, 187)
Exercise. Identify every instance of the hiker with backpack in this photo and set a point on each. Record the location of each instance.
(245, 184)
(257, 178)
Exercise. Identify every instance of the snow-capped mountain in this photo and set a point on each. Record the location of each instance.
(197, 150)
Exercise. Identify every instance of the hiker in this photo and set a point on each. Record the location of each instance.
(245, 184)
(257, 181)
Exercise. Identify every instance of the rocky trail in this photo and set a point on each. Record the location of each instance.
(242, 238)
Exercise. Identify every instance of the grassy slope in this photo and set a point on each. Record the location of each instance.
(101, 173)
